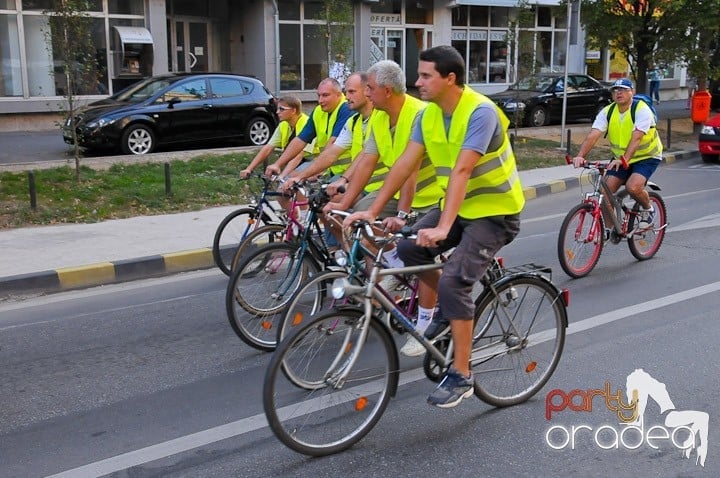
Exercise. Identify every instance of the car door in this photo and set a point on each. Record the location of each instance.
(187, 112)
(587, 96)
(573, 102)
(233, 104)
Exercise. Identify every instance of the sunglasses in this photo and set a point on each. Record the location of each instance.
(283, 108)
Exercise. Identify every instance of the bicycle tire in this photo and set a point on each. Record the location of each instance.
(256, 239)
(254, 301)
(510, 368)
(331, 419)
(577, 255)
(229, 234)
(644, 244)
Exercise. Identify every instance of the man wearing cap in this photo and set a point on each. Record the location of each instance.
(635, 141)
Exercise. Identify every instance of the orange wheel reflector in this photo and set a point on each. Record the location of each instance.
(360, 404)
(643, 243)
(267, 325)
(570, 254)
(251, 221)
(531, 367)
(348, 347)
(297, 318)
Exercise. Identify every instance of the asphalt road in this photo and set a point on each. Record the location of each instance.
(147, 379)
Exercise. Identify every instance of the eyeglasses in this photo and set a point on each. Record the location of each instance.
(283, 108)
(615, 90)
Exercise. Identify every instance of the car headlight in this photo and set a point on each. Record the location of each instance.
(99, 123)
(515, 105)
(707, 130)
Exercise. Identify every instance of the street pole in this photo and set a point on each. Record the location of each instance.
(565, 82)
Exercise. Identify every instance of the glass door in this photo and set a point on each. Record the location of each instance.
(190, 46)
(387, 44)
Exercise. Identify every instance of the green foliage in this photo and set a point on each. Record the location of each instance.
(654, 32)
(337, 29)
(521, 44)
(69, 40)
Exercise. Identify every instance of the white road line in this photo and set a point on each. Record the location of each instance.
(256, 422)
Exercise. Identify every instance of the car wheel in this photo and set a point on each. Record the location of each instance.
(138, 139)
(710, 158)
(537, 117)
(258, 131)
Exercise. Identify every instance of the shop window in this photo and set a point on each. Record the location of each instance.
(479, 16)
(420, 11)
(42, 5)
(7, 4)
(290, 41)
(315, 54)
(289, 9)
(10, 72)
(498, 62)
(314, 9)
(499, 17)
(544, 17)
(387, 6)
(477, 66)
(460, 16)
(126, 7)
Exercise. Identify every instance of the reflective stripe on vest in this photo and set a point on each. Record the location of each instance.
(620, 133)
(494, 187)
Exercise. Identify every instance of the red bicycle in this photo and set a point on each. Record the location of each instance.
(583, 233)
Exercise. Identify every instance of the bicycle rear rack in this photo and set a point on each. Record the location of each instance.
(530, 267)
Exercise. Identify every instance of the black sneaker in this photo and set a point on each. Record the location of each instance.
(438, 325)
(452, 390)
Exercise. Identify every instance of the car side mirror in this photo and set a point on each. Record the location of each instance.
(173, 101)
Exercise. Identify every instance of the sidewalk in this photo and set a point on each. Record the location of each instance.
(61, 257)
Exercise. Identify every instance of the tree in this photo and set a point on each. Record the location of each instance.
(653, 32)
(337, 29)
(70, 42)
(520, 41)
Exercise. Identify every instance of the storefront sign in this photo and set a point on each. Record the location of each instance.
(385, 18)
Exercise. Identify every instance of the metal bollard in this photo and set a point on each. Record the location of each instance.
(168, 186)
(669, 132)
(569, 142)
(33, 193)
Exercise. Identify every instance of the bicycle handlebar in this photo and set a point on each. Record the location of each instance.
(597, 164)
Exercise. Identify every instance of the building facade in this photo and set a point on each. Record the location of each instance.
(282, 42)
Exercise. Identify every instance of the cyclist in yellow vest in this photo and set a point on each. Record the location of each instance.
(350, 139)
(637, 142)
(465, 136)
(292, 121)
(324, 125)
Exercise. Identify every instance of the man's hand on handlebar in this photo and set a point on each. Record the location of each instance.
(393, 224)
(245, 173)
(431, 237)
(578, 161)
(288, 184)
(615, 165)
(272, 170)
(358, 216)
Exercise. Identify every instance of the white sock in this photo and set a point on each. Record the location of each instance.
(391, 259)
(425, 316)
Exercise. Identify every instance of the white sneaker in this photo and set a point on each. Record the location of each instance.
(412, 348)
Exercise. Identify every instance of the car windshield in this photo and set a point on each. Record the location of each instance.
(141, 91)
(534, 83)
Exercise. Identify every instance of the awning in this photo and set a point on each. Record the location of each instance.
(500, 3)
(134, 35)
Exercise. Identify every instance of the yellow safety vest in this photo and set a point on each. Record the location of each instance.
(324, 123)
(620, 133)
(390, 147)
(286, 131)
(494, 187)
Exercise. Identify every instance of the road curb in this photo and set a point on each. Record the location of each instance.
(105, 273)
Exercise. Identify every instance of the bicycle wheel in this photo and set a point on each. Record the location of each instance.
(259, 289)
(312, 297)
(358, 378)
(231, 231)
(646, 242)
(256, 239)
(580, 241)
(521, 348)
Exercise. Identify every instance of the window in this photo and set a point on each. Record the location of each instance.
(228, 87)
(10, 71)
(188, 91)
(289, 9)
(126, 7)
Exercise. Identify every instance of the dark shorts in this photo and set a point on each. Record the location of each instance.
(476, 241)
(645, 168)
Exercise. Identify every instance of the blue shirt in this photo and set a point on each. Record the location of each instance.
(308, 133)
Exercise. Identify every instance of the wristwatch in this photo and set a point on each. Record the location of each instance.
(402, 215)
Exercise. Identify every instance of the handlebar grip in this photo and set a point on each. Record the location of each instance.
(568, 159)
(341, 189)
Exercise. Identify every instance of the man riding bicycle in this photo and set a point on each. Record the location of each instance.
(634, 139)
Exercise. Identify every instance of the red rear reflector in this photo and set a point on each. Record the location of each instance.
(565, 293)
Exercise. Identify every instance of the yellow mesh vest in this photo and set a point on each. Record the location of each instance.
(620, 133)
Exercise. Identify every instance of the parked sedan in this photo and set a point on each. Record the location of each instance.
(709, 140)
(538, 100)
(177, 108)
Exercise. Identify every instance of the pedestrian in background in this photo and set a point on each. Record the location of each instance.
(654, 75)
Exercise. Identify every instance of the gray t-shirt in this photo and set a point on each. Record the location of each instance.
(484, 131)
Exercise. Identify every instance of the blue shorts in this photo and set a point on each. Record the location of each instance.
(645, 168)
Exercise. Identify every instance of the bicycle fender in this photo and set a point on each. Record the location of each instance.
(535, 275)
(653, 186)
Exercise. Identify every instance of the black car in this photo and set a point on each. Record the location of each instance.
(538, 100)
(177, 108)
